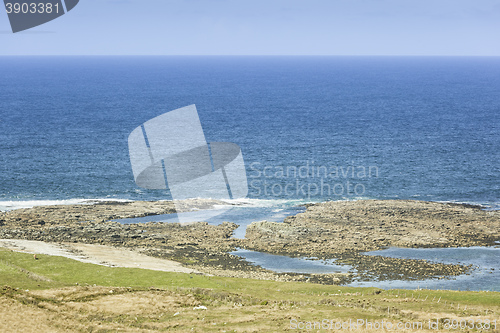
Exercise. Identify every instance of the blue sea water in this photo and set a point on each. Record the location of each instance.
(310, 128)
(429, 127)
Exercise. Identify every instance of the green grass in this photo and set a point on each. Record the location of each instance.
(66, 272)
(15, 271)
(269, 304)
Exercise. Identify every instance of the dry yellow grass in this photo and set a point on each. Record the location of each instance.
(111, 309)
(18, 317)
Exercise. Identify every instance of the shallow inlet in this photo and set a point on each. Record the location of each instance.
(485, 260)
(284, 264)
(242, 215)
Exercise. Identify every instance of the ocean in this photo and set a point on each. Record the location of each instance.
(425, 128)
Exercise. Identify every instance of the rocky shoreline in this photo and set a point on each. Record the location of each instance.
(330, 230)
(337, 227)
(346, 229)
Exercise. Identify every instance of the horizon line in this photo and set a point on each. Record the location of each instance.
(249, 55)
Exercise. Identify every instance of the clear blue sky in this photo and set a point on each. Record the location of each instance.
(264, 27)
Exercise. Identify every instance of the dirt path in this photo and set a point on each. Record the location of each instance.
(95, 254)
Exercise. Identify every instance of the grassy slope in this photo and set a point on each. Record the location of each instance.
(233, 304)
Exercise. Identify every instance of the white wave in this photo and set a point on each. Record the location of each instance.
(483, 205)
(12, 205)
(267, 202)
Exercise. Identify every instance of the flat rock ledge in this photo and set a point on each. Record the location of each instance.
(344, 230)
(333, 228)
(98, 212)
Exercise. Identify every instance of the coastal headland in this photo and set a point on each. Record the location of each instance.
(341, 230)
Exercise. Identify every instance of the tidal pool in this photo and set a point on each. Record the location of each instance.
(485, 260)
(284, 264)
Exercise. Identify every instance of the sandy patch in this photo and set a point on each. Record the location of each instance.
(96, 254)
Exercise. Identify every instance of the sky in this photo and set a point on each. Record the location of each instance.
(264, 27)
